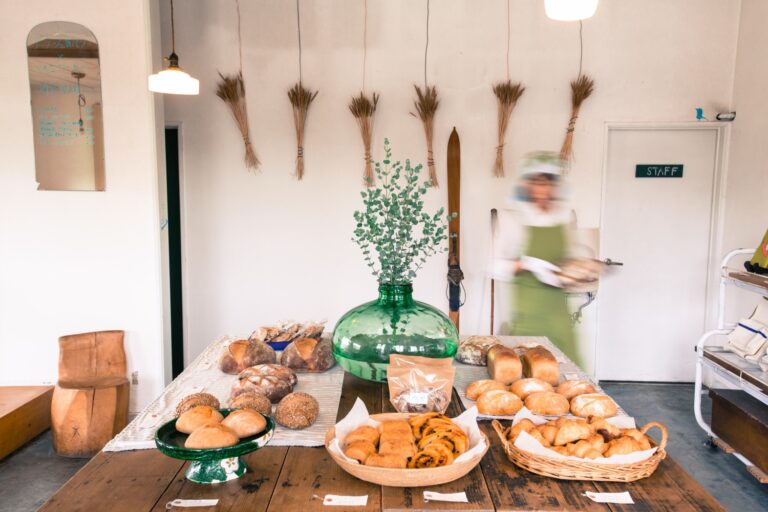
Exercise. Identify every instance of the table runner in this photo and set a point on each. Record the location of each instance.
(203, 374)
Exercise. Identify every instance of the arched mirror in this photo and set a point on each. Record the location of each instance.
(65, 89)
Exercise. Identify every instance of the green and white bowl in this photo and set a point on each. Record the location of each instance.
(211, 465)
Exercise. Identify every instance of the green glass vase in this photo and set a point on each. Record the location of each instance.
(392, 324)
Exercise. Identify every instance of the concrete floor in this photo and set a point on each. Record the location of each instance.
(31, 475)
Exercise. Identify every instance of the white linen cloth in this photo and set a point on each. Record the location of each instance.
(203, 374)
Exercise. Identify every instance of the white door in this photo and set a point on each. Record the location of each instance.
(651, 311)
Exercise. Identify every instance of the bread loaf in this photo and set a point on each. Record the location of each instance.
(474, 350)
(547, 403)
(241, 354)
(499, 403)
(211, 436)
(272, 380)
(539, 363)
(504, 365)
(572, 388)
(479, 387)
(525, 387)
(593, 404)
(308, 354)
(197, 417)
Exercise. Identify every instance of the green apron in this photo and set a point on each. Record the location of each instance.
(542, 310)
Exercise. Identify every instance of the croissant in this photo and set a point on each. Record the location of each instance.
(524, 425)
(549, 432)
(638, 436)
(572, 431)
(622, 446)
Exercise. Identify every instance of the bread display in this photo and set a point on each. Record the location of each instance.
(580, 438)
(539, 363)
(572, 388)
(477, 388)
(245, 422)
(196, 399)
(547, 403)
(474, 349)
(211, 436)
(252, 400)
(593, 404)
(297, 411)
(272, 380)
(525, 387)
(196, 417)
(504, 365)
(241, 354)
(499, 403)
(308, 354)
(288, 331)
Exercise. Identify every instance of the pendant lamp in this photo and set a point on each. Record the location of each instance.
(173, 79)
(570, 10)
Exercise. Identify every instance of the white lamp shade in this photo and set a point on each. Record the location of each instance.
(173, 80)
(570, 10)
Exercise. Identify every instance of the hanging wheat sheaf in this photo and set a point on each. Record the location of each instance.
(581, 89)
(507, 95)
(363, 108)
(426, 105)
(231, 89)
(301, 98)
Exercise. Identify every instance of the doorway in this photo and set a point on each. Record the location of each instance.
(172, 168)
(658, 214)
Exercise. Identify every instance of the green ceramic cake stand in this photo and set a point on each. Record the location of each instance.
(213, 465)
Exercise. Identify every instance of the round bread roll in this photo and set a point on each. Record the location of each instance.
(593, 404)
(197, 417)
(297, 411)
(479, 387)
(497, 402)
(245, 422)
(525, 387)
(272, 380)
(252, 400)
(241, 354)
(572, 388)
(191, 401)
(211, 436)
(547, 403)
(309, 354)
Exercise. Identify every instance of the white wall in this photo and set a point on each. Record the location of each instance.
(80, 261)
(264, 247)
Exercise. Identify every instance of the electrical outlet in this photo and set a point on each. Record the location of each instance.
(135, 378)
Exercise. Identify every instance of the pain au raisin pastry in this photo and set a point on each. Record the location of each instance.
(593, 404)
(308, 354)
(525, 387)
(572, 388)
(241, 354)
(474, 349)
(539, 363)
(272, 380)
(504, 364)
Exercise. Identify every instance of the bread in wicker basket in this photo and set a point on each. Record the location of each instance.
(566, 469)
(392, 477)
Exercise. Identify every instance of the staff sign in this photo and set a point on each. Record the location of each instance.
(659, 171)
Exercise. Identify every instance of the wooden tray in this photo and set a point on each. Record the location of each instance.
(392, 477)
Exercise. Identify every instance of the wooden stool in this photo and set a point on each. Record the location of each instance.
(90, 401)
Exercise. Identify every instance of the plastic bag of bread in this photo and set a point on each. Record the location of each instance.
(420, 384)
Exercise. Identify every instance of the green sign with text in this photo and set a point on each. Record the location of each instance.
(659, 171)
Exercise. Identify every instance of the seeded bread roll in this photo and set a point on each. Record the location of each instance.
(241, 354)
(211, 436)
(297, 411)
(245, 422)
(195, 399)
(308, 354)
(504, 365)
(547, 403)
(539, 363)
(197, 417)
(252, 400)
(525, 387)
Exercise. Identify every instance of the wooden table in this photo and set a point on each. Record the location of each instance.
(284, 479)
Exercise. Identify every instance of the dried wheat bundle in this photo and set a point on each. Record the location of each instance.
(231, 89)
(507, 95)
(300, 98)
(363, 108)
(581, 89)
(426, 105)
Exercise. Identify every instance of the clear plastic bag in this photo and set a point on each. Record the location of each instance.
(420, 384)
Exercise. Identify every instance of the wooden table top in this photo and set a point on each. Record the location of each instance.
(285, 479)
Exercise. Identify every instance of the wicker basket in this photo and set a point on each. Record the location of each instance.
(404, 477)
(585, 470)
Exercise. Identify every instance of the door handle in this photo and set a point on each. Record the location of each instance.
(609, 262)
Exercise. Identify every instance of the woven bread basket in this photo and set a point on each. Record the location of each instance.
(586, 469)
(404, 477)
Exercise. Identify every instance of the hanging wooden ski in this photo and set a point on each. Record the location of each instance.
(455, 274)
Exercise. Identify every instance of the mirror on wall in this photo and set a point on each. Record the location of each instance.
(65, 91)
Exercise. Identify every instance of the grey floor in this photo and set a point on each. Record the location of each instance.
(31, 475)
